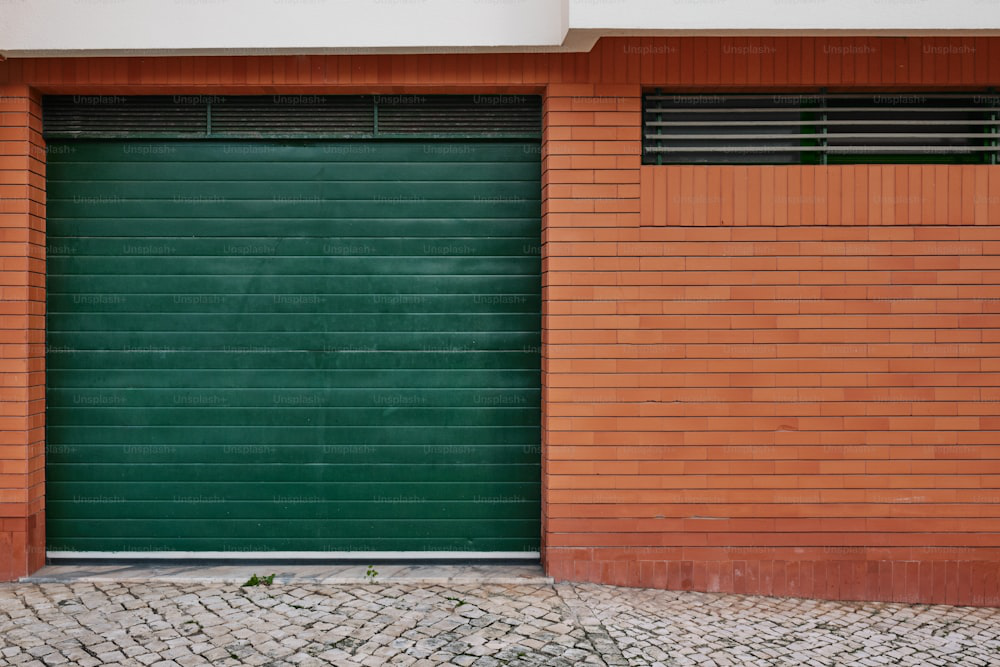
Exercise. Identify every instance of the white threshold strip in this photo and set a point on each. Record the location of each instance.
(297, 555)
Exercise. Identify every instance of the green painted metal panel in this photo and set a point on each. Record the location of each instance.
(293, 346)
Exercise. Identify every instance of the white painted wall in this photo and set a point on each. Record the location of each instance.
(43, 27)
(782, 15)
(150, 27)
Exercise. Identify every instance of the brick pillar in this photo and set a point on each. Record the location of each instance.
(590, 205)
(22, 333)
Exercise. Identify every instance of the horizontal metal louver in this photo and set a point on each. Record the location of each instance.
(285, 114)
(118, 115)
(821, 128)
(292, 116)
(487, 114)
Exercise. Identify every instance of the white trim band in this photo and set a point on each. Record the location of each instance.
(297, 555)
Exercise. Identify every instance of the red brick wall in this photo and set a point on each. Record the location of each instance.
(773, 380)
(792, 388)
(590, 194)
(22, 332)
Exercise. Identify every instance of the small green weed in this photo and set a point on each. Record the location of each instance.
(254, 580)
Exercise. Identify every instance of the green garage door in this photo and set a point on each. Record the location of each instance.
(308, 347)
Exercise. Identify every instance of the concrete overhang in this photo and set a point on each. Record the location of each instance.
(49, 28)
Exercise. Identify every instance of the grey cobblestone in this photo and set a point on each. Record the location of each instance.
(154, 624)
(669, 628)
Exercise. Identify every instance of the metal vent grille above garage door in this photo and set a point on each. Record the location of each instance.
(293, 347)
(292, 116)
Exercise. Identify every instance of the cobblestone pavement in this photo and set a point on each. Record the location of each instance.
(167, 624)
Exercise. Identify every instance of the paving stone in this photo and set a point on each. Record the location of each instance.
(184, 625)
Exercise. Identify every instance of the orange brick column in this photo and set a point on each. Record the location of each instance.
(22, 333)
(590, 181)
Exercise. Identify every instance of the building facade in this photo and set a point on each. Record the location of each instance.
(721, 368)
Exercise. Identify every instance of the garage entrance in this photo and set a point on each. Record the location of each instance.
(293, 327)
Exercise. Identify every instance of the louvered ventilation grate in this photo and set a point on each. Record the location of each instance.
(821, 129)
(284, 114)
(117, 115)
(292, 116)
(482, 114)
